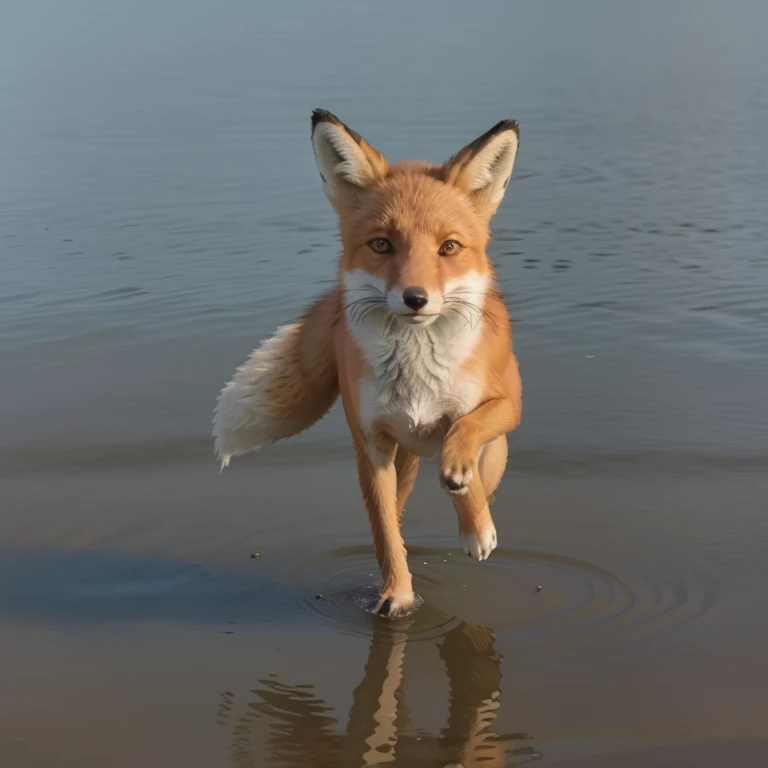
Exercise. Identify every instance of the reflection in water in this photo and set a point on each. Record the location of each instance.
(289, 725)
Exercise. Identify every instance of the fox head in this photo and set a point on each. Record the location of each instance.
(415, 234)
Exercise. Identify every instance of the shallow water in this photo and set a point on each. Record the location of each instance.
(160, 213)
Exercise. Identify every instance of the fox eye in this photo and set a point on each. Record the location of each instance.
(381, 245)
(450, 248)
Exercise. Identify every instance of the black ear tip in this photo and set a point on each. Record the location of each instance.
(322, 116)
(508, 125)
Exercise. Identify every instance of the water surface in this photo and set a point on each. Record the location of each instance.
(160, 213)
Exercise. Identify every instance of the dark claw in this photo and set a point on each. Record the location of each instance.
(384, 608)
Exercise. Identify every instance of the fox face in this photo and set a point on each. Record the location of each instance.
(415, 235)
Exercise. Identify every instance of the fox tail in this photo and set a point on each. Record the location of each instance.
(284, 387)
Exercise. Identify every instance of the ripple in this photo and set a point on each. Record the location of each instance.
(533, 596)
(348, 582)
(126, 292)
(539, 596)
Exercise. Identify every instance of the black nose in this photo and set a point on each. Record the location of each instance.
(415, 297)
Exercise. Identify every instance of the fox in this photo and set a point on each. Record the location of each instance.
(415, 338)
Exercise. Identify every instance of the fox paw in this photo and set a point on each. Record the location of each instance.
(456, 475)
(479, 544)
(391, 607)
(457, 466)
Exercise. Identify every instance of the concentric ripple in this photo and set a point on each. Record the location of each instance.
(530, 595)
(348, 584)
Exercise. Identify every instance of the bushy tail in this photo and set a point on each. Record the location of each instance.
(285, 386)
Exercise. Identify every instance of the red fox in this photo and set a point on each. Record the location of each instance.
(415, 337)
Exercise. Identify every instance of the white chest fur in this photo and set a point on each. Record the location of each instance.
(417, 387)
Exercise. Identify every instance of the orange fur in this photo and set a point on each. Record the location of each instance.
(416, 338)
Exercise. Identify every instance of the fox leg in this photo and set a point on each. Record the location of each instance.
(407, 467)
(378, 482)
(491, 464)
(465, 439)
(477, 533)
(474, 452)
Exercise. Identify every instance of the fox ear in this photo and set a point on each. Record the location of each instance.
(483, 168)
(346, 161)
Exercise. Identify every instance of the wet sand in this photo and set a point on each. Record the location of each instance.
(148, 635)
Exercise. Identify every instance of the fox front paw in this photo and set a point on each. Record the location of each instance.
(456, 473)
(392, 606)
(457, 465)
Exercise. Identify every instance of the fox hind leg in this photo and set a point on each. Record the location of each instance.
(491, 463)
(477, 533)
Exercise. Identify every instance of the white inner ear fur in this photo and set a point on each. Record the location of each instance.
(339, 158)
(489, 170)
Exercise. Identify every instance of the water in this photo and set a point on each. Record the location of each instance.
(160, 213)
